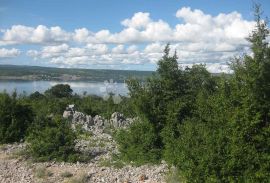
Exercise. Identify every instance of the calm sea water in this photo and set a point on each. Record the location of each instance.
(79, 87)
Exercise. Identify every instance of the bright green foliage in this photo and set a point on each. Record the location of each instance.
(138, 143)
(59, 91)
(52, 139)
(15, 118)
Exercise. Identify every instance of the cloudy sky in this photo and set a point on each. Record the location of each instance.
(124, 34)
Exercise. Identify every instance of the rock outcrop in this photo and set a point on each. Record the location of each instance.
(119, 121)
(96, 123)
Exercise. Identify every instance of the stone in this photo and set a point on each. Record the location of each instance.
(142, 177)
(95, 124)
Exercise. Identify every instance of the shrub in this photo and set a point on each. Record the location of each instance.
(138, 144)
(15, 118)
(36, 96)
(53, 140)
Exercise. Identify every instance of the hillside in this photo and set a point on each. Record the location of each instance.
(49, 73)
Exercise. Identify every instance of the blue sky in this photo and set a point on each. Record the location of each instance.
(124, 34)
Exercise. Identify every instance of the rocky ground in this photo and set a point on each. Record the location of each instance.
(95, 142)
(16, 169)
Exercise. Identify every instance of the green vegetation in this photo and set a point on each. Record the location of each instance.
(15, 118)
(59, 91)
(138, 143)
(212, 128)
(54, 140)
(37, 118)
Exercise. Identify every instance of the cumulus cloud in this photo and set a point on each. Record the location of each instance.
(132, 49)
(9, 53)
(154, 48)
(81, 35)
(139, 20)
(20, 34)
(118, 49)
(197, 38)
(140, 28)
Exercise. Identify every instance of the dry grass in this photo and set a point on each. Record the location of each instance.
(66, 174)
(82, 178)
(42, 173)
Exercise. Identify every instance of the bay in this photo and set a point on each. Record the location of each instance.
(79, 87)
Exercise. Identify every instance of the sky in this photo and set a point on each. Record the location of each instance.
(125, 34)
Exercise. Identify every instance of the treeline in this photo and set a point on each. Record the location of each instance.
(213, 129)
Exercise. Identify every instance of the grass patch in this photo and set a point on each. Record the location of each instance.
(84, 135)
(3, 147)
(83, 178)
(41, 172)
(174, 176)
(66, 174)
(114, 162)
(101, 144)
(22, 153)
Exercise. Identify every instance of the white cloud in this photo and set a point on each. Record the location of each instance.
(132, 49)
(154, 48)
(76, 52)
(196, 27)
(193, 17)
(139, 20)
(9, 53)
(198, 38)
(97, 48)
(81, 35)
(33, 53)
(20, 34)
(56, 49)
(118, 49)
(52, 51)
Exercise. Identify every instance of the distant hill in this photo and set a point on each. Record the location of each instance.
(15, 72)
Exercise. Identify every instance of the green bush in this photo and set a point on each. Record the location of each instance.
(53, 139)
(138, 144)
(15, 118)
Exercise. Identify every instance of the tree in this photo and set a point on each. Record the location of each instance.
(59, 91)
(36, 96)
(226, 138)
(250, 124)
